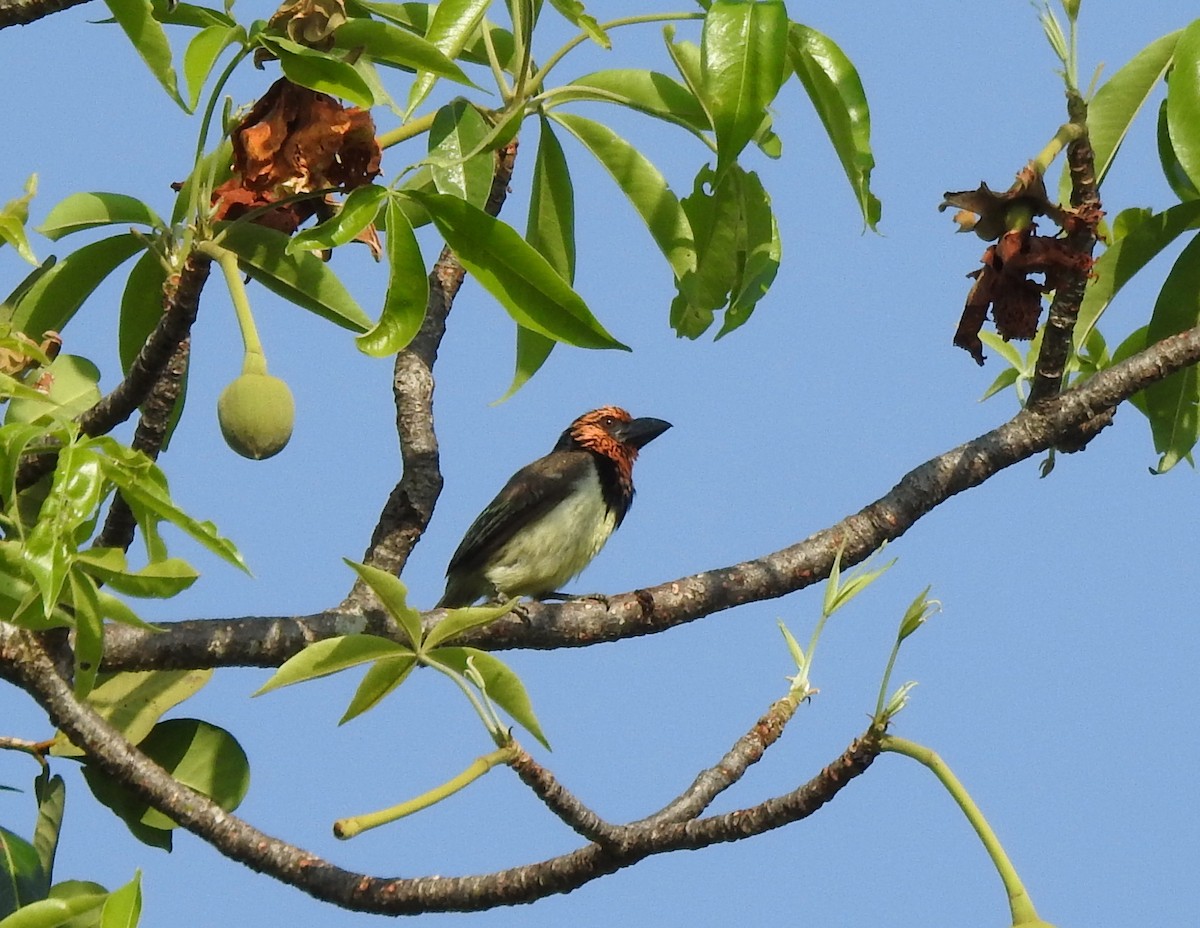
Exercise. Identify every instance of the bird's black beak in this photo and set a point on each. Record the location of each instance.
(639, 432)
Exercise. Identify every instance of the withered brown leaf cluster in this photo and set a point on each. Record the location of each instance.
(1003, 284)
(295, 140)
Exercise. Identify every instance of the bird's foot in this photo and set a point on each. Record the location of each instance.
(575, 598)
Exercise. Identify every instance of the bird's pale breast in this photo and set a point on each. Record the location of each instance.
(547, 553)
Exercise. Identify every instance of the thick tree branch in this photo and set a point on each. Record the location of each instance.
(24, 12)
(23, 662)
(267, 642)
(410, 505)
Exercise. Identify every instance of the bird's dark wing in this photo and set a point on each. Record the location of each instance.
(529, 494)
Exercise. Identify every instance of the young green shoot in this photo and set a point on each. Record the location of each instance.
(919, 611)
(1024, 915)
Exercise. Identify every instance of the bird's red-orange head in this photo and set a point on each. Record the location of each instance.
(612, 432)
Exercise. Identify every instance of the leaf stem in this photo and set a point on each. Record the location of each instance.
(1067, 133)
(493, 726)
(1019, 902)
(255, 361)
(345, 828)
(408, 130)
(539, 78)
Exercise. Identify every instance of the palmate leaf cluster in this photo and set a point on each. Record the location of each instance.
(720, 242)
(1136, 235)
(54, 576)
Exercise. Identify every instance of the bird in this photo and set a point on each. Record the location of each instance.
(554, 515)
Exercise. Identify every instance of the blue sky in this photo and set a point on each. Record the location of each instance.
(1056, 682)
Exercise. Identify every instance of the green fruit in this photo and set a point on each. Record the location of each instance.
(256, 413)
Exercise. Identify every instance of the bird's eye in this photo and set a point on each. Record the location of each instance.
(608, 421)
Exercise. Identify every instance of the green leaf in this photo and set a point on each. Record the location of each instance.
(202, 53)
(646, 189)
(1172, 404)
(357, 212)
(89, 631)
(407, 295)
(82, 211)
(136, 18)
(22, 879)
(394, 595)
(917, 614)
(456, 133)
(141, 306)
(123, 907)
(1173, 170)
(13, 218)
(452, 25)
(645, 91)
(381, 678)
(144, 487)
(502, 686)
(55, 912)
(161, 579)
(301, 278)
(576, 15)
(320, 71)
(1183, 102)
(1127, 220)
(461, 620)
(713, 214)
(57, 295)
(388, 45)
(74, 498)
(415, 18)
(836, 91)
(331, 655)
(1006, 379)
(760, 251)
(1128, 255)
(1114, 106)
(175, 13)
(127, 806)
(687, 60)
(550, 229)
(51, 792)
(71, 890)
(201, 756)
(74, 387)
(743, 49)
(522, 280)
(133, 702)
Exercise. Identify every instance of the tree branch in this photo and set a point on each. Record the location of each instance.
(1058, 336)
(25, 663)
(267, 642)
(24, 12)
(410, 505)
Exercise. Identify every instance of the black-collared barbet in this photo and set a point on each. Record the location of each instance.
(554, 515)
